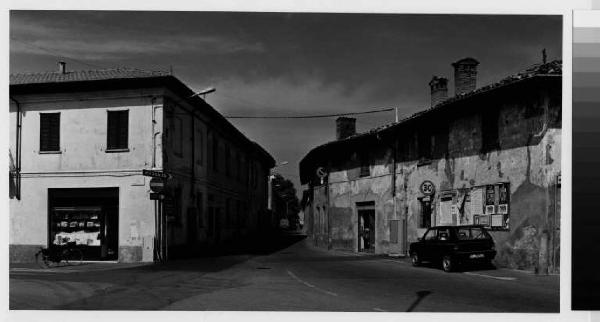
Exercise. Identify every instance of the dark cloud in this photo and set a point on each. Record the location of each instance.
(289, 63)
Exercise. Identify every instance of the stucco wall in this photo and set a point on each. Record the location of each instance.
(84, 163)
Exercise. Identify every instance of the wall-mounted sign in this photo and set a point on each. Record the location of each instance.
(156, 196)
(490, 195)
(427, 188)
(321, 173)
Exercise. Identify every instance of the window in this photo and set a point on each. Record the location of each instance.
(215, 151)
(49, 132)
(227, 161)
(177, 138)
(200, 206)
(489, 131)
(118, 127)
(365, 168)
(431, 234)
(200, 145)
(424, 145)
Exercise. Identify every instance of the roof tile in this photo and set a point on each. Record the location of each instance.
(85, 75)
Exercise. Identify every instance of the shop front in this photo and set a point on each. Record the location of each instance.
(87, 218)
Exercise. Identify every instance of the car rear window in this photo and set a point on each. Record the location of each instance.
(472, 233)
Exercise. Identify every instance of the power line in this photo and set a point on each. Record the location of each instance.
(310, 116)
(55, 53)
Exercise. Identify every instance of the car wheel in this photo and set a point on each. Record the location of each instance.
(415, 259)
(447, 263)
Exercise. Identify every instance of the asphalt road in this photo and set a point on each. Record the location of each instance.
(295, 277)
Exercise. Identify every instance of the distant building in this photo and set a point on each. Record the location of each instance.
(488, 156)
(79, 142)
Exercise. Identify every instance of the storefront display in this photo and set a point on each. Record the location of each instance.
(83, 226)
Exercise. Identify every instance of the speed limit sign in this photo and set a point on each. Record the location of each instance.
(427, 188)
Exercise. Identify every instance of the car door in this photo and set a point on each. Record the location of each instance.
(439, 246)
(428, 241)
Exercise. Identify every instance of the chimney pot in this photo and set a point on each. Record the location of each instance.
(62, 67)
(345, 127)
(439, 90)
(465, 75)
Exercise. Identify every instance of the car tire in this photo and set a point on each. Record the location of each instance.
(415, 259)
(448, 263)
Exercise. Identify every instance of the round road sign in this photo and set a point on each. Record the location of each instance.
(157, 185)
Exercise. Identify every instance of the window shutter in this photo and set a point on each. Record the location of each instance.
(50, 132)
(117, 131)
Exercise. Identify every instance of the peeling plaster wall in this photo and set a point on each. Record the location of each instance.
(528, 159)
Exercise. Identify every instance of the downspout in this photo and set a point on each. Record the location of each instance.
(18, 149)
(154, 133)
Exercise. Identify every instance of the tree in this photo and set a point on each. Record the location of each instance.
(285, 202)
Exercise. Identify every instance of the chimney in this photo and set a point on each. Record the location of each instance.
(345, 127)
(465, 75)
(439, 90)
(62, 67)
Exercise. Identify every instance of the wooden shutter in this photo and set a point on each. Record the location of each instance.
(118, 128)
(50, 132)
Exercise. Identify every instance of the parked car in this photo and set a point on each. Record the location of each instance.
(453, 246)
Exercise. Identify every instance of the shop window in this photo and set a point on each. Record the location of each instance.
(49, 132)
(117, 132)
(365, 167)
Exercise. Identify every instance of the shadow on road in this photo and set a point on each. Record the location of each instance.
(227, 254)
(467, 267)
(420, 296)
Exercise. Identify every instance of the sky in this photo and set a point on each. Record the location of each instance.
(288, 64)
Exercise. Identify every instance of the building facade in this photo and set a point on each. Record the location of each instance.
(488, 156)
(79, 145)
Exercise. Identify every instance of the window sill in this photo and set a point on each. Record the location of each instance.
(116, 150)
(50, 152)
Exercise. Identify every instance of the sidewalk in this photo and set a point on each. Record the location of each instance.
(24, 268)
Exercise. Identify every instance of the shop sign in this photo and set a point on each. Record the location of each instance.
(427, 188)
(157, 185)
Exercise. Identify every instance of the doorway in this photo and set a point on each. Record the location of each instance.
(366, 227)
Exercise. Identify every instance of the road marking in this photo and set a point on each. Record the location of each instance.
(378, 309)
(503, 278)
(310, 285)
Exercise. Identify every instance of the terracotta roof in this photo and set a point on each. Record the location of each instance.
(548, 69)
(82, 76)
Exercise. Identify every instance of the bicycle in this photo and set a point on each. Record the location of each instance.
(55, 254)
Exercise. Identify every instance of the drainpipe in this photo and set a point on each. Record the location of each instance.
(18, 149)
(394, 147)
(154, 133)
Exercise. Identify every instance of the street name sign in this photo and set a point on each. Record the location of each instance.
(155, 174)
